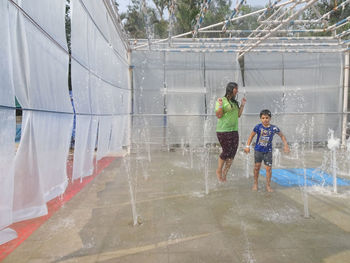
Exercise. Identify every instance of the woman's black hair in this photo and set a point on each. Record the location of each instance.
(265, 112)
(229, 89)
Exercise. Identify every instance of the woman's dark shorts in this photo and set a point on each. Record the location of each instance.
(229, 144)
(260, 156)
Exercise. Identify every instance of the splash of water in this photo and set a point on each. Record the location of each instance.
(333, 145)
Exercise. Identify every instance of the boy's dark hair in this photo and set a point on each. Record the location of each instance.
(265, 112)
(229, 89)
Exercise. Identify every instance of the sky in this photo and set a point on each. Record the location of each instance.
(123, 4)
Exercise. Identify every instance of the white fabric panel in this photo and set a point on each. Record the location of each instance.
(29, 199)
(81, 90)
(117, 134)
(79, 34)
(148, 74)
(220, 69)
(100, 16)
(53, 132)
(105, 78)
(84, 147)
(105, 98)
(7, 90)
(50, 16)
(7, 235)
(104, 136)
(263, 70)
(184, 71)
(40, 70)
(313, 82)
(184, 76)
(98, 13)
(116, 43)
(7, 155)
(186, 103)
(187, 129)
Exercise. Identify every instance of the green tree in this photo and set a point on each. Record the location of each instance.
(324, 7)
(248, 23)
(218, 12)
(186, 12)
(135, 23)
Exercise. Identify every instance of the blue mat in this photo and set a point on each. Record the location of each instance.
(295, 177)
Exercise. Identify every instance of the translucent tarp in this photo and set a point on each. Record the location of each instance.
(99, 62)
(34, 68)
(298, 88)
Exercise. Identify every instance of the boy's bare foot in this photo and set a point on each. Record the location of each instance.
(255, 187)
(268, 188)
(219, 176)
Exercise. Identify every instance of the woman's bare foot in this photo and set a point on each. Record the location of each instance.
(255, 187)
(224, 174)
(219, 176)
(268, 188)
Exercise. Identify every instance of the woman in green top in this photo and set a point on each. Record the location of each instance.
(228, 111)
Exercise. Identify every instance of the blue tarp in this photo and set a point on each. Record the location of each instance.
(295, 177)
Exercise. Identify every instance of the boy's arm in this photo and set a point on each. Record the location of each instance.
(249, 141)
(284, 140)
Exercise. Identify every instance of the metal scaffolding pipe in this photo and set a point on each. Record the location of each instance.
(279, 26)
(345, 99)
(279, 50)
(266, 30)
(217, 24)
(236, 45)
(293, 22)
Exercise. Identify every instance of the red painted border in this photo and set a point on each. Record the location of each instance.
(25, 228)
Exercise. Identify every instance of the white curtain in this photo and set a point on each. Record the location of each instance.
(41, 162)
(99, 83)
(104, 136)
(29, 201)
(7, 128)
(6, 91)
(290, 84)
(100, 67)
(40, 65)
(7, 154)
(84, 146)
(53, 135)
(118, 133)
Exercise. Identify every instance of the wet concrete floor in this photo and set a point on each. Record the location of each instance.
(164, 194)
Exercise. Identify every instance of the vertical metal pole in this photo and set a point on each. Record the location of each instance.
(131, 102)
(345, 98)
(165, 110)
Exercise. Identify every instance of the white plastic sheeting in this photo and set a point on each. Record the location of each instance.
(84, 145)
(53, 133)
(99, 67)
(7, 154)
(7, 129)
(40, 65)
(104, 136)
(180, 84)
(120, 133)
(292, 84)
(7, 90)
(40, 162)
(34, 68)
(300, 89)
(100, 84)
